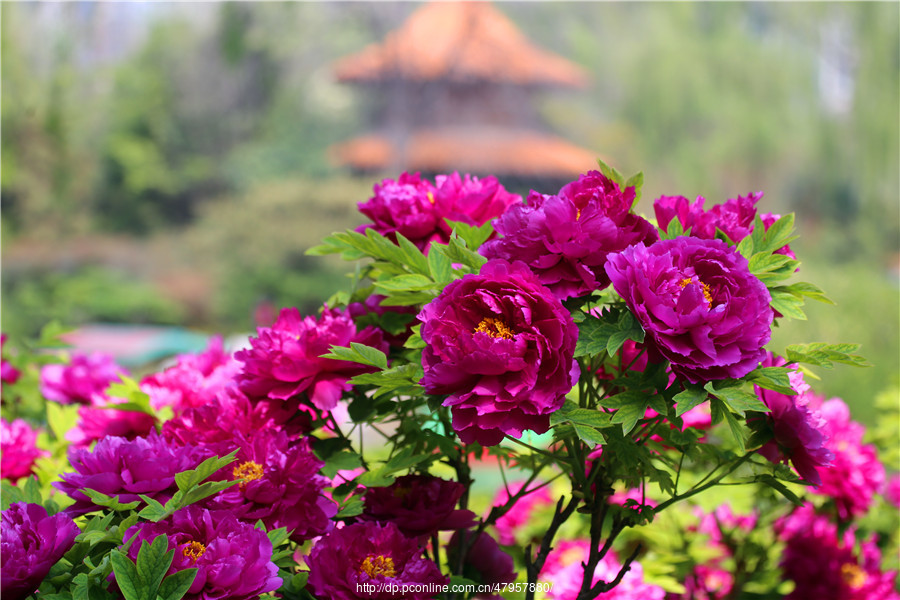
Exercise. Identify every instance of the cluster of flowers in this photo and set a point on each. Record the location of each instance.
(499, 352)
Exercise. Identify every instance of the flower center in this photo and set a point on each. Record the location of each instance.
(706, 293)
(853, 575)
(431, 197)
(193, 550)
(495, 328)
(378, 564)
(248, 471)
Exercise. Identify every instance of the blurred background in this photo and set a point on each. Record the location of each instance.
(168, 164)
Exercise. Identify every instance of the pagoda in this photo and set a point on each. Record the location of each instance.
(453, 89)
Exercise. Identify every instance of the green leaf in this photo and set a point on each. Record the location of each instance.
(764, 262)
(112, 503)
(135, 398)
(61, 419)
(176, 585)
(205, 490)
(188, 479)
(352, 507)
(126, 575)
(589, 418)
(456, 251)
(739, 400)
(405, 459)
(808, 290)
(772, 378)
(154, 511)
(359, 353)
(780, 488)
(720, 410)
(688, 399)
(589, 435)
(340, 461)
(405, 283)
(611, 172)
(9, 494)
(277, 536)
(778, 235)
(630, 408)
(628, 329)
(787, 304)
(153, 561)
(375, 478)
(414, 260)
(31, 491)
(636, 180)
(473, 236)
(825, 355)
(673, 230)
(440, 266)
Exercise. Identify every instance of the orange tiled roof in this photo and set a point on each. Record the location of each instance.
(462, 41)
(479, 151)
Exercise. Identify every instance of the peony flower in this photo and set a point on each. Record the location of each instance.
(405, 206)
(564, 572)
(855, 474)
(521, 513)
(285, 359)
(565, 239)
(32, 542)
(892, 491)
(698, 303)
(281, 485)
(18, 449)
(484, 561)
(798, 429)
(233, 559)
(470, 200)
(194, 380)
(418, 505)
(501, 346)
(824, 565)
(346, 560)
(101, 421)
(83, 381)
(363, 313)
(8, 373)
(126, 468)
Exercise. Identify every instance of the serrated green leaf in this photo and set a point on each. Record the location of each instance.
(589, 435)
(630, 408)
(474, 236)
(414, 260)
(788, 305)
(611, 172)
(778, 235)
(772, 378)
(763, 262)
(737, 399)
(126, 575)
(688, 399)
(457, 252)
(825, 355)
(176, 585)
(154, 511)
(405, 283)
(440, 266)
(589, 418)
(153, 561)
(187, 479)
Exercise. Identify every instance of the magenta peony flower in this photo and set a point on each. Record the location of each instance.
(563, 571)
(565, 239)
(371, 554)
(798, 429)
(484, 562)
(405, 206)
(282, 486)
(285, 359)
(18, 449)
(501, 345)
(892, 491)
(194, 380)
(126, 468)
(855, 474)
(698, 303)
(233, 559)
(83, 381)
(418, 505)
(521, 513)
(824, 565)
(8, 373)
(31, 542)
(470, 200)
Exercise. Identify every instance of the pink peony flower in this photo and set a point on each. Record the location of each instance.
(18, 449)
(32, 542)
(564, 572)
(470, 200)
(418, 505)
(698, 303)
(521, 513)
(83, 381)
(346, 560)
(798, 429)
(405, 206)
(194, 380)
(233, 559)
(892, 491)
(284, 360)
(565, 239)
(281, 485)
(855, 474)
(501, 345)
(100, 421)
(824, 565)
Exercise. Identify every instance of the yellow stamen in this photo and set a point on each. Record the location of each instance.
(194, 550)
(378, 564)
(248, 471)
(853, 575)
(706, 293)
(431, 197)
(495, 328)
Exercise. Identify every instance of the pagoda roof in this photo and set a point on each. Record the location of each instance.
(480, 151)
(459, 41)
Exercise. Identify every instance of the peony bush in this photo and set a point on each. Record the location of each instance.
(549, 398)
